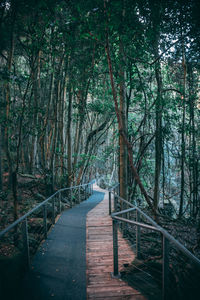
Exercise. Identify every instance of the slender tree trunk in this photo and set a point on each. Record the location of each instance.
(86, 150)
(8, 101)
(20, 134)
(47, 130)
(12, 174)
(183, 140)
(81, 99)
(69, 140)
(122, 132)
(48, 144)
(36, 96)
(158, 135)
(62, 110)
(55, 136)
(123, 156)
(193, 165)
(156, 9)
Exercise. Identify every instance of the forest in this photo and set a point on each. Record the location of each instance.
(105, 90)
(108, 91)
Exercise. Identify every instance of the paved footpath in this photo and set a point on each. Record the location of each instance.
(59, 268)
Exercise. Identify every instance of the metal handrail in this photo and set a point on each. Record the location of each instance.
(113, 187)
(165, 235)
(116, 195)
(156, 227)
(11, 226)
(135, 223)
(24, 219)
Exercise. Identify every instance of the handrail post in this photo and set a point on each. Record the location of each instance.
(53, 211)
(124, 227)
(26, 242)
(70, 197)
(138, 253)
(165, 268)
(74, 196)
(109, 202)
(45, 220)
(59, 202)
(79, 194)
(115, 203)
(115, 249)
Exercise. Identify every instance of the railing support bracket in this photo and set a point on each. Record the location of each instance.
(118, 276)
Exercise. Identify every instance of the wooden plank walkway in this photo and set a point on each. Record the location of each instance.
(99, 256)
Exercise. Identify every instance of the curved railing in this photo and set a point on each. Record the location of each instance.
(135, 217)
(25, 234)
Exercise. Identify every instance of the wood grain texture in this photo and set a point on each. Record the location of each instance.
(99, 255)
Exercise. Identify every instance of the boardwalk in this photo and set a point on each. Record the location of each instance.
(99, 255)
(59, 268)
(76, 260)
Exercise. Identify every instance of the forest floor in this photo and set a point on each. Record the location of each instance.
(185, 230)
(31, 191)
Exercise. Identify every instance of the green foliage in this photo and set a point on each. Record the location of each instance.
(101, 107)
(59, 49)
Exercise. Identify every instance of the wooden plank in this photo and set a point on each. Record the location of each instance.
(99, 256)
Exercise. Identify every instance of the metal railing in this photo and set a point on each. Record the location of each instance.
(26, 233)
(135, 217)
(115, 190)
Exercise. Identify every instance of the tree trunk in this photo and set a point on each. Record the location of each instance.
(122, 132)
(193, 164)
(69, 140)
(158, 135)
(48, 131)
(61, 130)
(81, 99)
(88, 141)
(156, 21)
(8, 101)
(183, 140)
(123, 156)
(36, 96)
(55, 136)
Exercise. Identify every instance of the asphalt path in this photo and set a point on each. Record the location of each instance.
(58, 270)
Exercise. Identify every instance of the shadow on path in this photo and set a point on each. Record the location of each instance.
(58, 270)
